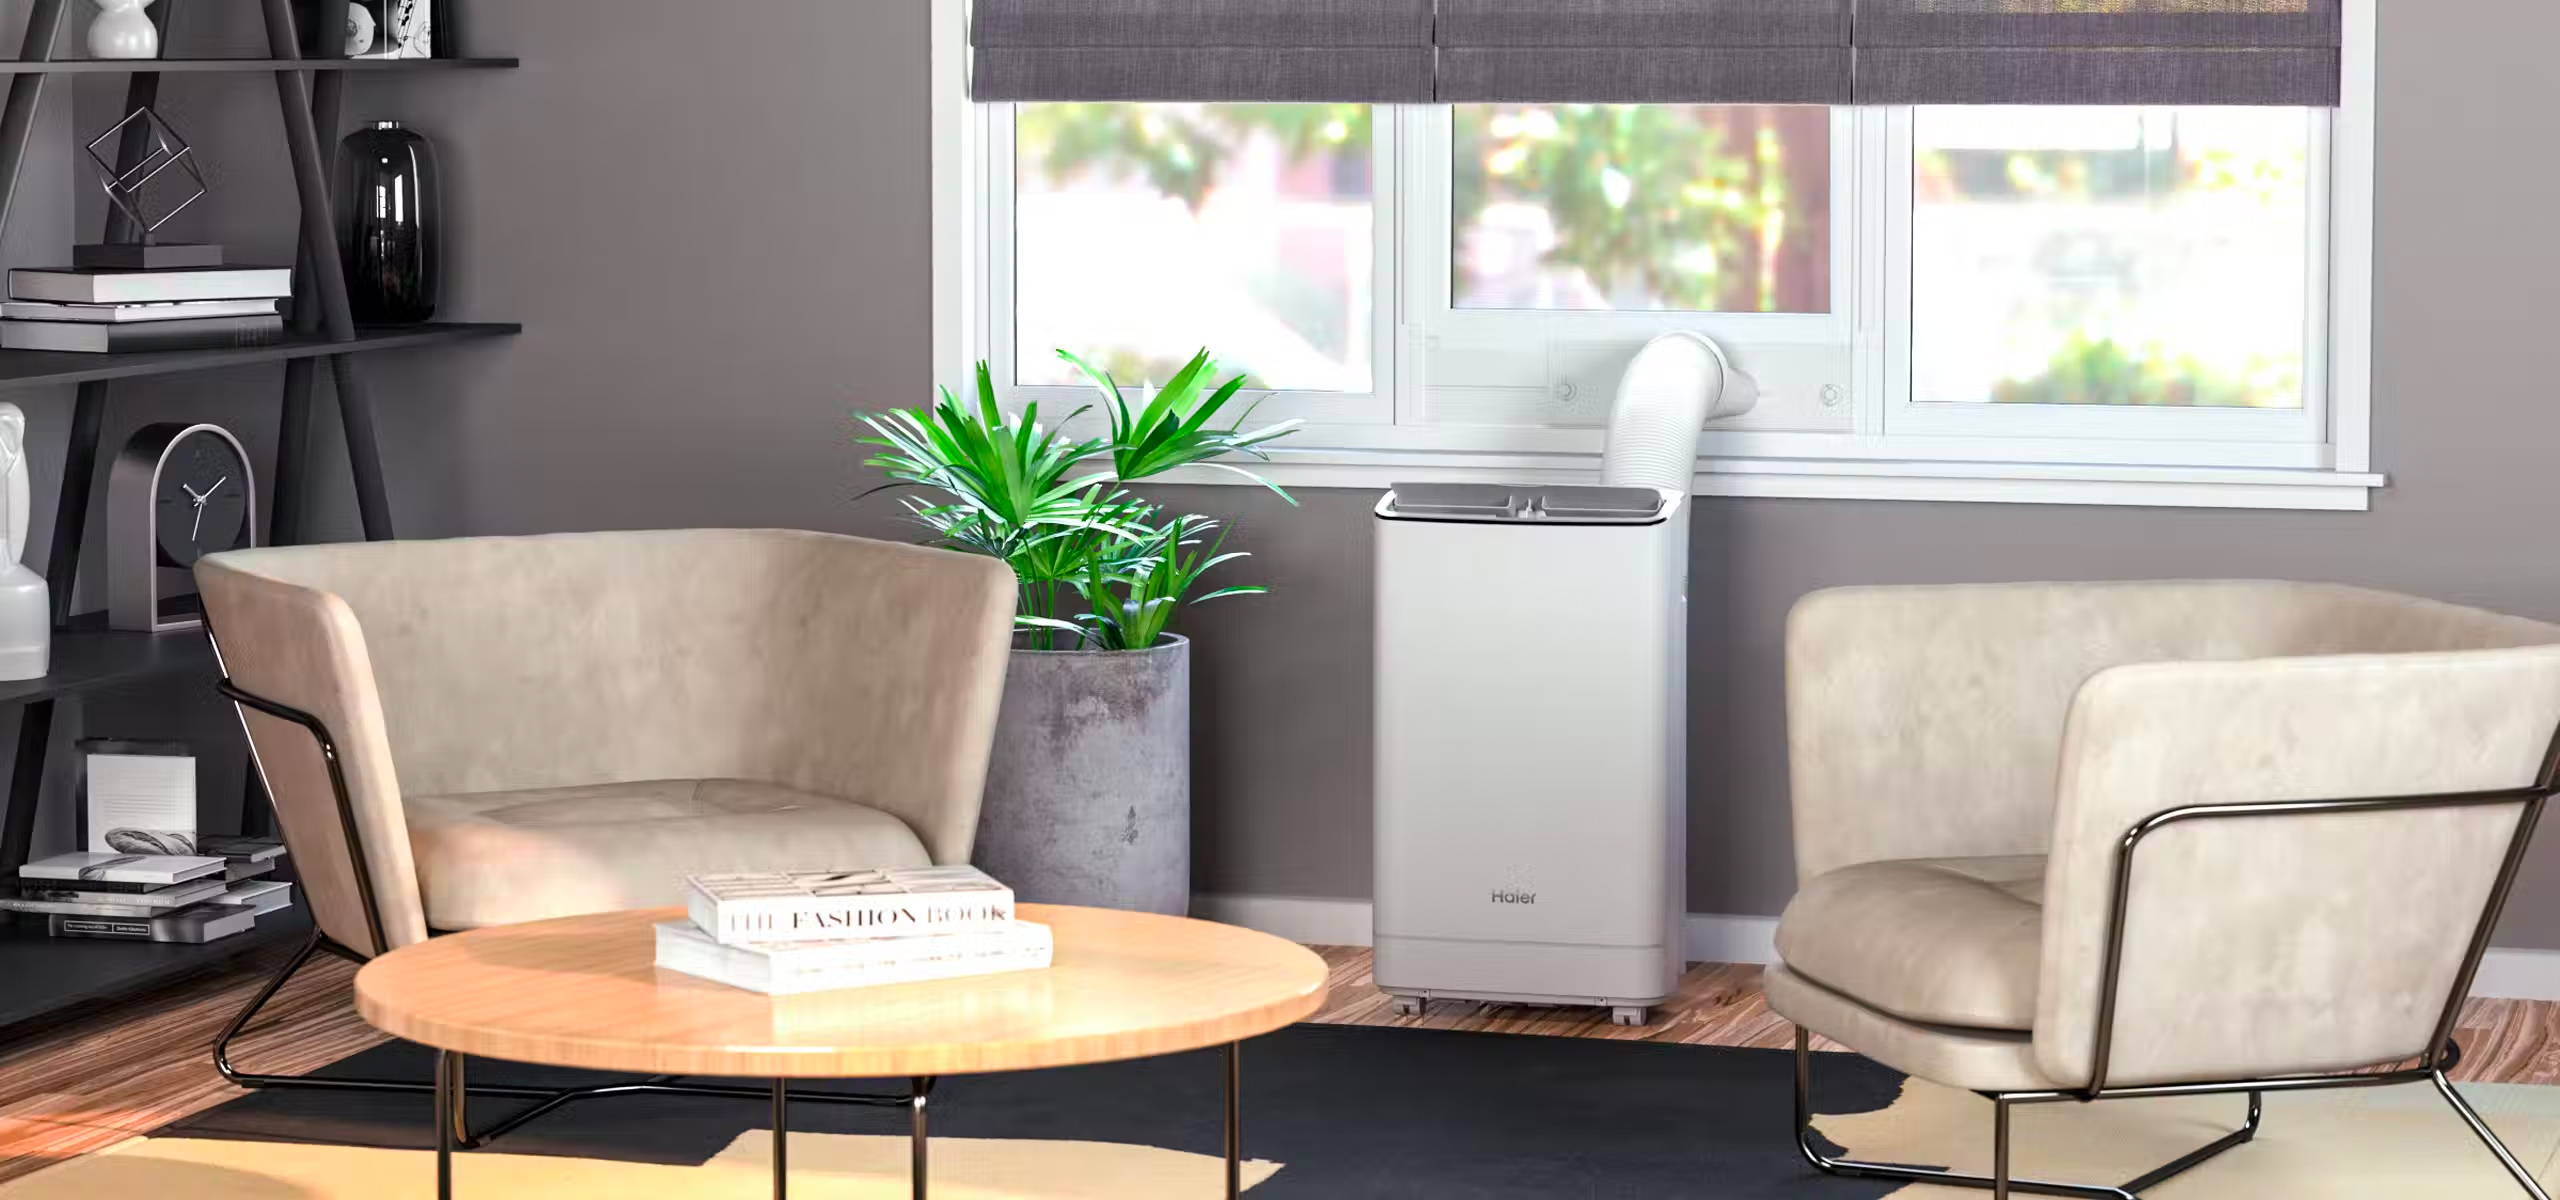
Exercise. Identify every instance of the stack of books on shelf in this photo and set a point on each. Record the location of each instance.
(109, 310)
(219, 892)
(785, 932)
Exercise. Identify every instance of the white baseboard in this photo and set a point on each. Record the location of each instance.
(2519, 975)
(1714, 937)
(1309, 919)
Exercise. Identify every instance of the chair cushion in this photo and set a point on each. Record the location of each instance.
(1991, 1060)
(1945, 941)
(495, 858)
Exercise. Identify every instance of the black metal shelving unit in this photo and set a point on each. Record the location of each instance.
(42, 977)
(192, 66)
(40, 368)
(52, 978)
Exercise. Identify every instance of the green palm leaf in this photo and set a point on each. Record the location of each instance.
(1175, 428)
(1011, 488)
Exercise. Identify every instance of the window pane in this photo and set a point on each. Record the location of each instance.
(1143, 232)
(1641, 207)
(2146, 256)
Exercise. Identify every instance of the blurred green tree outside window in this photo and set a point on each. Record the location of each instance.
(2093, 256)
(2111, 256)
(1144, 231)
(1641, 207)
(1710, 209)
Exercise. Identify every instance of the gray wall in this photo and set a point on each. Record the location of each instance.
(716, 230)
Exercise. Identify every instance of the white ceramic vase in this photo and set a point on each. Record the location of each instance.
(26, 609)
(122, 30)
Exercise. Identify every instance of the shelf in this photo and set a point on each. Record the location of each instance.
(41, 368)
(197, 66)
(46, 977)
(89, 656)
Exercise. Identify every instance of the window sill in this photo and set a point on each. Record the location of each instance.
(1843, 479)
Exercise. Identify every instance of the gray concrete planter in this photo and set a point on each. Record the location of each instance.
(1089, 792)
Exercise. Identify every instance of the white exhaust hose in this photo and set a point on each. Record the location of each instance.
(1673, 387)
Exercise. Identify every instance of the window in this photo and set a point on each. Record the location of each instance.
(1131, 235)
(2085, 304)
(1142, 230)
(1640, 208)
(2142, 287)
(1543, 245)
(2112, 256)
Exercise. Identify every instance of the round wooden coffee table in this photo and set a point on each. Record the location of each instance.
(585, 992)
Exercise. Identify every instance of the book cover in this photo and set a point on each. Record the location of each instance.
(234, 870)
(258, 896)
(240, 849)
(782, 906)
(157, 870)
(139, 796)
(789, 968)
(80, 902)
(207, 333)
(201, 923)
(118, 314)
(101, 888)
(72, 285)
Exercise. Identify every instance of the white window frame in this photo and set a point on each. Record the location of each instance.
(2314, 458)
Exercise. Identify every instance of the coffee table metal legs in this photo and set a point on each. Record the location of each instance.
(449, 1126)
(921, 1087)
(1235, 1120)
(448, 1114)
(919, 1090)
(781, 1139)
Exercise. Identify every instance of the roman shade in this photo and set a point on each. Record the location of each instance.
(1645, 51)
(2265, 52)
(2098, 51)
(1377, 51)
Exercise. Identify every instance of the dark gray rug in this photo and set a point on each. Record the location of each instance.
(1352, 1112)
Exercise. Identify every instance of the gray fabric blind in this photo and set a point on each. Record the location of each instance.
(1252, 50)
(1662, 51)
(2098, 51)
(1634, 51)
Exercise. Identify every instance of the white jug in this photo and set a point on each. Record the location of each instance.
(26, 609)
(122, 30)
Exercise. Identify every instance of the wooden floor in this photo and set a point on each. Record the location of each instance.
(131, 1069)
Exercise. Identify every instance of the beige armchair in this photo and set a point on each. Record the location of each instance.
(490, 730)
(2069, 842)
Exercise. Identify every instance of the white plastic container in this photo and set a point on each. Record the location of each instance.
(1532, 700)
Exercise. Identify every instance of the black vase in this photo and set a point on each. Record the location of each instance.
(392, 241)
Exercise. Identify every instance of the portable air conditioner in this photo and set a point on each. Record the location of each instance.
(1532, 707)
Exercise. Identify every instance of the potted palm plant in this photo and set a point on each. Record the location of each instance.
(1088, 797)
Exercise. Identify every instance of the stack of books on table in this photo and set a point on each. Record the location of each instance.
(784, 932)
(106, 310)
(200, 897)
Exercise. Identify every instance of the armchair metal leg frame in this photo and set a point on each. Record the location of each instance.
(2430, 1067)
